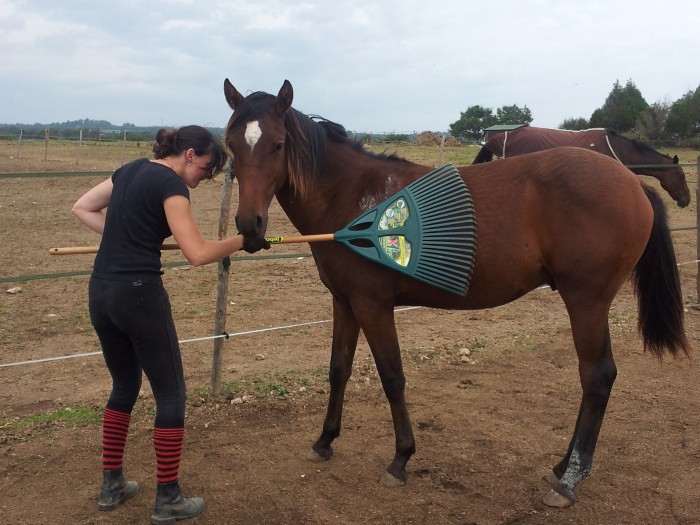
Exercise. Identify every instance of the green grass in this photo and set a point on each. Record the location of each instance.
(430, 155)
(70, 417)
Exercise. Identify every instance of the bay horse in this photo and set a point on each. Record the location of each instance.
(542, 219)
(638, 156)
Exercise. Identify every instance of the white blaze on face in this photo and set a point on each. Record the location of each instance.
(252, 134)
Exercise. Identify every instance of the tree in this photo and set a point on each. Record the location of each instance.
(471, 123)
(513, 115)
(622, 108)
(575, 124)
(684, 114)
(651, 123)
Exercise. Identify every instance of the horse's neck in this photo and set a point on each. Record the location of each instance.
(350, 182)
(629, 154)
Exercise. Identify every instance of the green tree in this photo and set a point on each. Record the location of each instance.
(513, 115)
(472, 122)
(684, 114)
(651, 123)
(621, 109)
(575, 124)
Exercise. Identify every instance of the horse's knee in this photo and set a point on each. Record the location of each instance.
(339, 374)
(394, 386)
(597, 382)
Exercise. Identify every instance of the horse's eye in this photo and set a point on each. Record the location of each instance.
(278, 147)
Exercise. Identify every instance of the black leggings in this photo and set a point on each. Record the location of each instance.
(134, 323)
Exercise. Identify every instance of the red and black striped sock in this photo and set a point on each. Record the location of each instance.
(115, 427)
(167, 443)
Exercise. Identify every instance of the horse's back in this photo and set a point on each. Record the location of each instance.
(542, 216)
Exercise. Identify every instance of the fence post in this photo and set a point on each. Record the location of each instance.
(221, 287)
(123, 149)
(697, 231)
(19, 142)
(442, 151)
(46, 144)
(80, 143)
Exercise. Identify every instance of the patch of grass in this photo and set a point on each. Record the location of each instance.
(478, 345)
(522, 343)
(69, 416)
(280, 384)
(430, 155)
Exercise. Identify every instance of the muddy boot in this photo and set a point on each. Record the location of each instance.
(115, 489)
(171, 506)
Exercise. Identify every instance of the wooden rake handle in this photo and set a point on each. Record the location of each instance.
(78, 250)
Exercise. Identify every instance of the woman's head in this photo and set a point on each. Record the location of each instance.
(173, 142)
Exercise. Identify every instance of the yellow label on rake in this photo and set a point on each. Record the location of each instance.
(397, 248)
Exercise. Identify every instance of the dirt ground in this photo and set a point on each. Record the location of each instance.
(488, 425)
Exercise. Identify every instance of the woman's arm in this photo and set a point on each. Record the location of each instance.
(196, 250)
(89, 208)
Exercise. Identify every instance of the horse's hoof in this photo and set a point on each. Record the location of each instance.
(552, 478)
(315, 457)
(390, 481)
(554, 499)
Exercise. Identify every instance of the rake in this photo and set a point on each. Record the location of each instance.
(426, 231)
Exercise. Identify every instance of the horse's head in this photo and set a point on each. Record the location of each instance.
(672, 179)
(645, 160)
(256, 137)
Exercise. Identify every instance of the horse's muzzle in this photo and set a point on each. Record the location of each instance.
(250, 225)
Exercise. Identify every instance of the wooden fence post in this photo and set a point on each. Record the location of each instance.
(221, 288)
(123, 149)
(697, 231)
(19, 142)
(80, 143)
(46, 144)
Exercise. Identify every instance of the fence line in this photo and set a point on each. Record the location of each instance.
(218, 337)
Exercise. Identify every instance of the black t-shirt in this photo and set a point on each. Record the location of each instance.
(136, 225)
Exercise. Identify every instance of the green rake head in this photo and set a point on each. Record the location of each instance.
(387, 233)
(427, 231)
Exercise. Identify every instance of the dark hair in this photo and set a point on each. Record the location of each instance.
(201, 140)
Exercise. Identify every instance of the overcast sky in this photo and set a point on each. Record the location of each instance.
(398, 66)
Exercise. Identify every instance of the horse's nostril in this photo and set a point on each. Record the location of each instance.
(250, 225)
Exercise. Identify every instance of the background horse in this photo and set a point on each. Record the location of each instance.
(641, 158)
(542, 219)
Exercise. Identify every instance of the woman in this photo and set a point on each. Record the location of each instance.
(147, 201)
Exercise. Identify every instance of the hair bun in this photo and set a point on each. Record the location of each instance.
(166, 143)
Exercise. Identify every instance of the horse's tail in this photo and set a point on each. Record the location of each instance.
(658, 288)
(484, 155)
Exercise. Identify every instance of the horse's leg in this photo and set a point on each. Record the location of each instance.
(346, 331)
(597, 371)
(380, 331)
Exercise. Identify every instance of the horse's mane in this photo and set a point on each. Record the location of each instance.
(641, 146)
(307, 139)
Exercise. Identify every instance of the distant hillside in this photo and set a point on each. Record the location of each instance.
(90, 128)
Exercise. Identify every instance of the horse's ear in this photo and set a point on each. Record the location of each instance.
(233, 97)
(675, 159)
(284, 98)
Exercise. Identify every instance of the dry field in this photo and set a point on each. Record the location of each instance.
(488, 425)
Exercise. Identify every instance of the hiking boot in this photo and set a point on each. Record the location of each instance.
(171, 506)
(115, 489)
